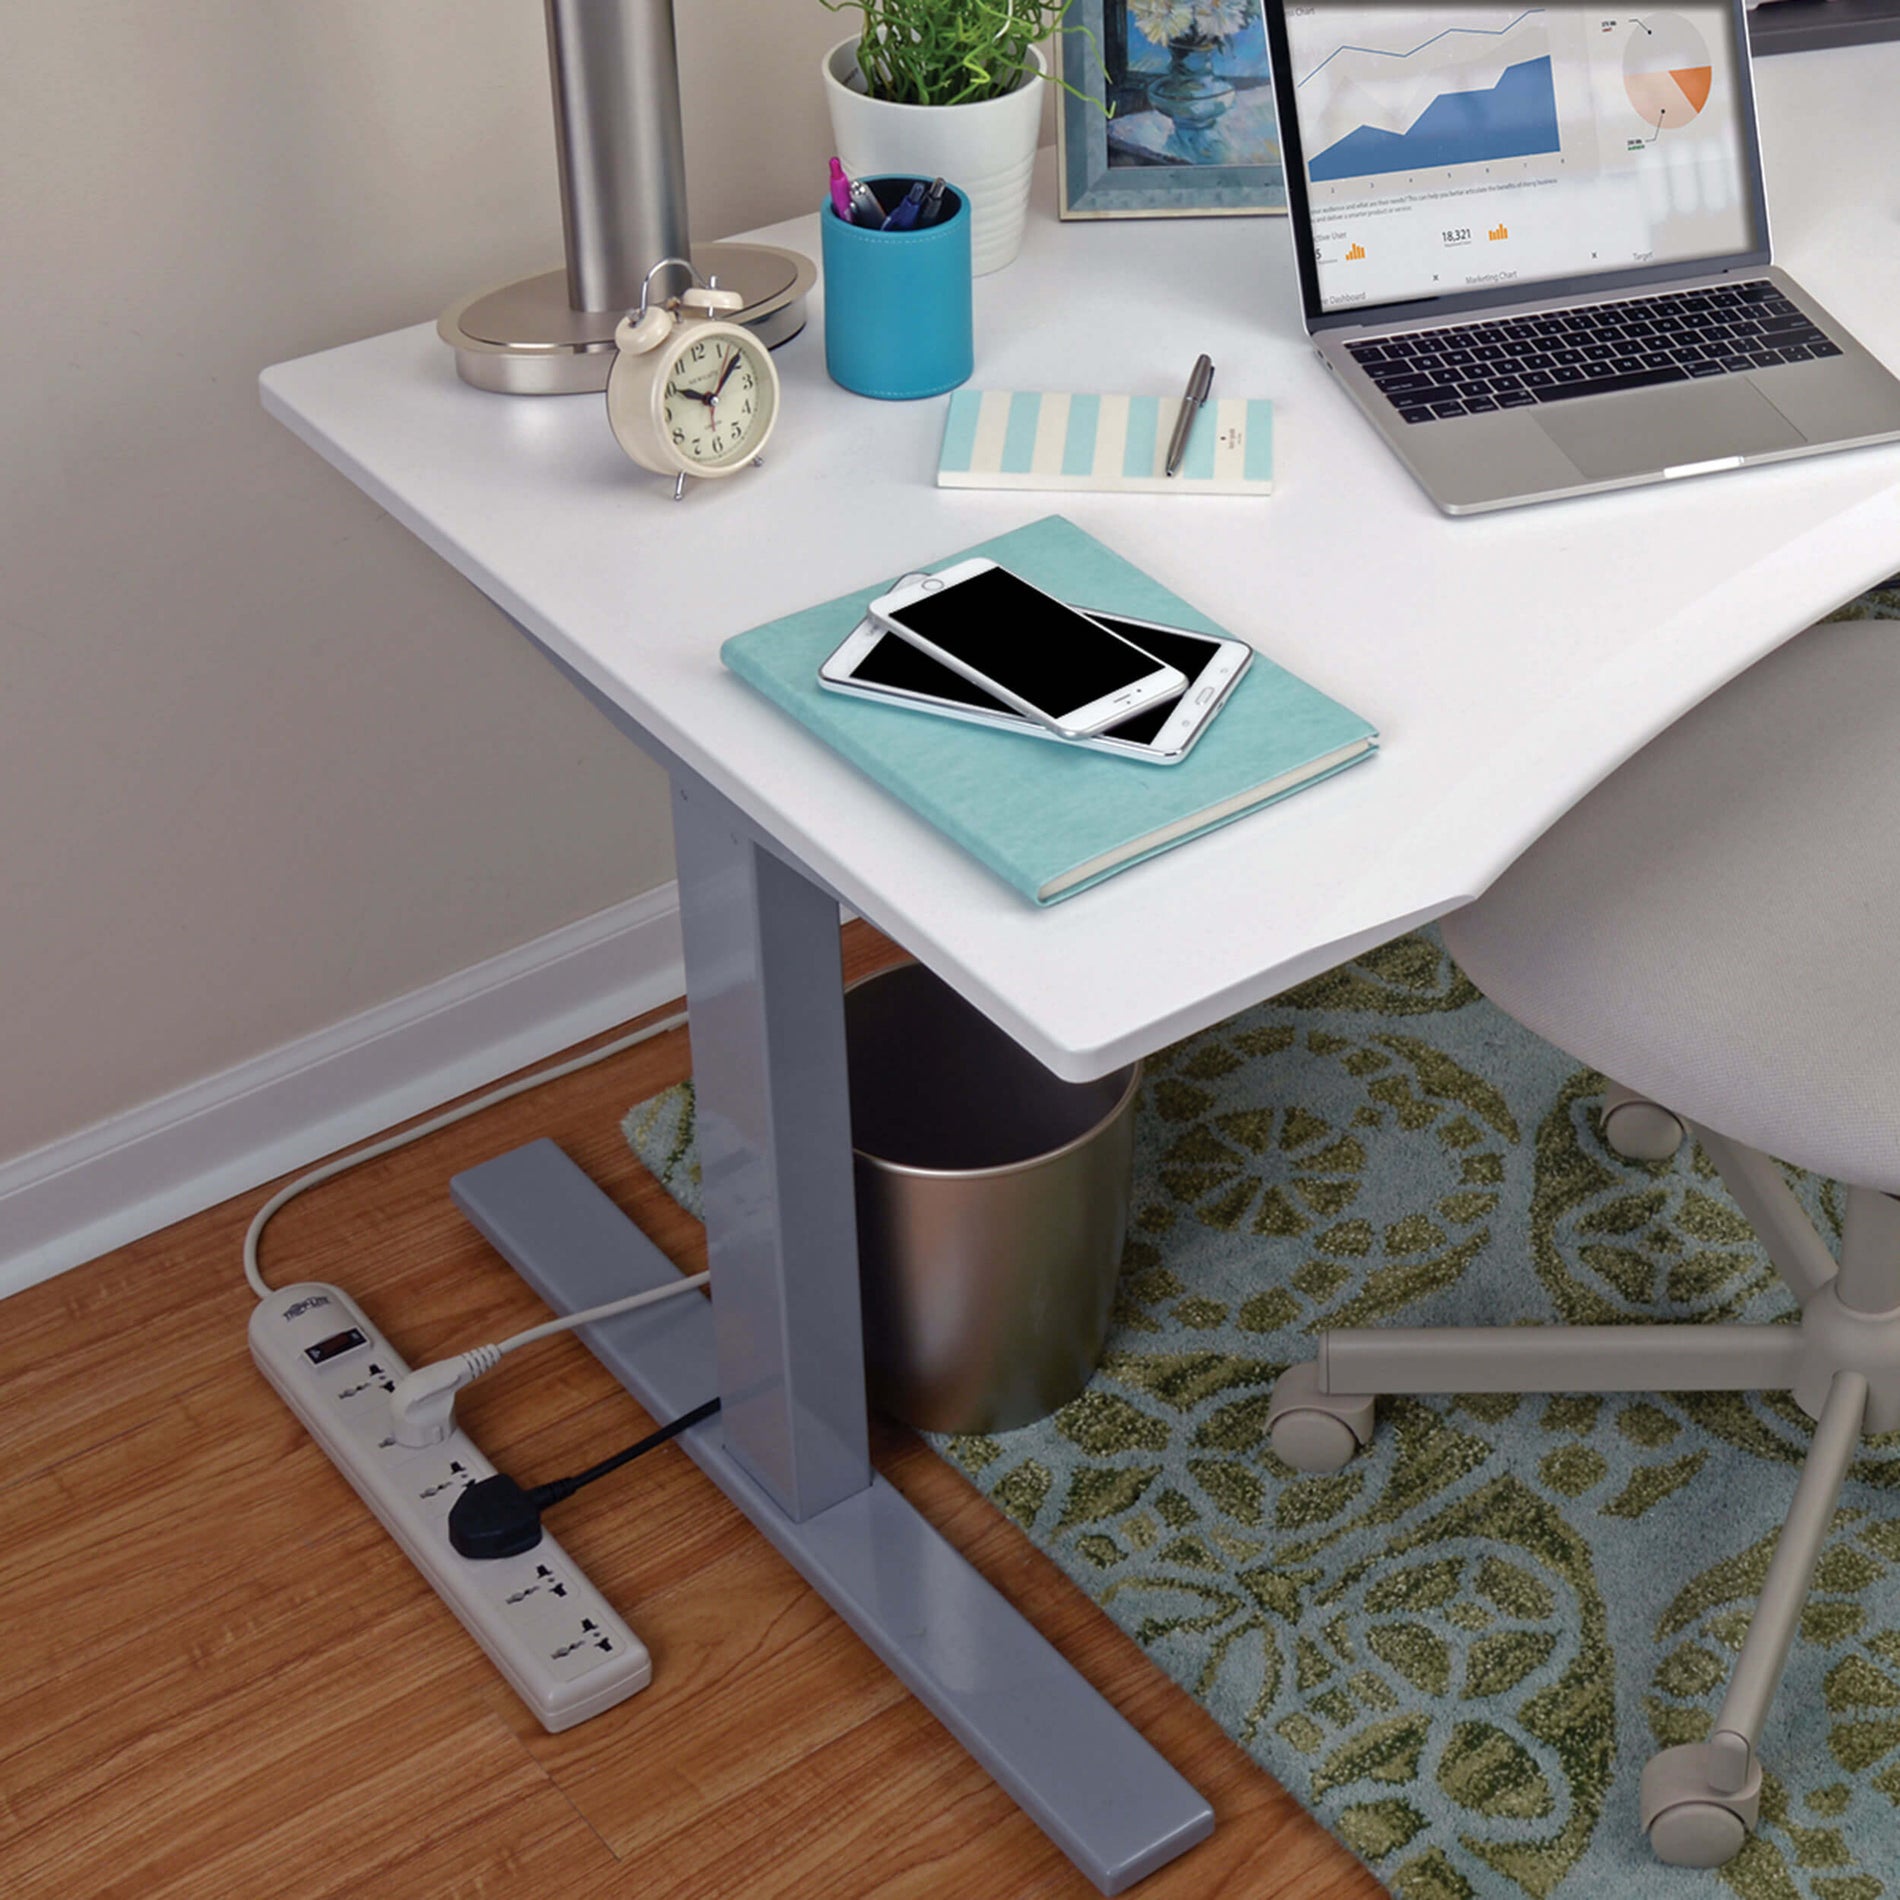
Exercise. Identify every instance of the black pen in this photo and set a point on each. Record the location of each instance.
(932, 207)
(1200, 381)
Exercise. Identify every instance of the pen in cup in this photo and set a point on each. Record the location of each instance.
(853, 200)
(908, 207)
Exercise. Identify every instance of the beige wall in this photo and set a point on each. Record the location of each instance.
(264, 762)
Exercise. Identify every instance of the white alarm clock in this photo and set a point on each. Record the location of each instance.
(689, 394)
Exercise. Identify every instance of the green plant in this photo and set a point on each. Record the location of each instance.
(948, 52)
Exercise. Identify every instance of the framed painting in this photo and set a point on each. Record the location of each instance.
(1170, 113)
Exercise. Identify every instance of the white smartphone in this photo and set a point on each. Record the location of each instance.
(875, 664)
(1042, 659)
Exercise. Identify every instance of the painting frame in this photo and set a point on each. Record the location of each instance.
(1094, 181)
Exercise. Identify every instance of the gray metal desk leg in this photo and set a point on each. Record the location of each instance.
(783, 1345)
(765, 985)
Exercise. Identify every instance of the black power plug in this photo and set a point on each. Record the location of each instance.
(494, 1517)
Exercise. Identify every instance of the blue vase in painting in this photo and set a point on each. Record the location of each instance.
(1193, 95)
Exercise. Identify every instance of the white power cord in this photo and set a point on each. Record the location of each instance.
(424, 1401)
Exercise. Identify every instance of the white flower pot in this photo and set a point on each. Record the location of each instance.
(986, 150)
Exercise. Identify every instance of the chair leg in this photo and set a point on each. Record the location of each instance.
(1321, 1411)
(1869, 1279)
(1800, 1255)
(1700, 1800)
(1678, 1358)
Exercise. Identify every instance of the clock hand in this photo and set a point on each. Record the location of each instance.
(732, 363)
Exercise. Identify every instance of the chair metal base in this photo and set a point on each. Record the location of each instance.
(1841, 1364)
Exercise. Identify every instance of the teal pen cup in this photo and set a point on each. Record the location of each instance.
(898, 321)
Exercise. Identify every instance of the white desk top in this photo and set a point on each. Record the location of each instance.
(1511, 661)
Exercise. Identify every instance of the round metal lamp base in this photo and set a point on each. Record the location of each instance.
(525, 340)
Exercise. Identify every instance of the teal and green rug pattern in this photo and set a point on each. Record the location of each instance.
(1459, 1651)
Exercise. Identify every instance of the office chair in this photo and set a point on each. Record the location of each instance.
(1716, 926)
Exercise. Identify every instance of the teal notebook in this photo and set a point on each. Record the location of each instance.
(1054, 819)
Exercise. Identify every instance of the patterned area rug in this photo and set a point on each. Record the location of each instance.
(1459, 1651)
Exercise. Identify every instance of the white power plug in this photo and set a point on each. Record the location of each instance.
(423, 1403)
(544, 1626)
(422, 1407)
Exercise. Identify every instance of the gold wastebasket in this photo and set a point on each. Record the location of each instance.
(992, 1208)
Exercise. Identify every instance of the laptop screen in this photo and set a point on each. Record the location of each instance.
(1450, 150)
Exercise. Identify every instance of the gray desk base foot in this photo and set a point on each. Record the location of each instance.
(1087, 1779)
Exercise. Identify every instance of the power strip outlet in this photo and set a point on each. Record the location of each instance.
(543, 1625)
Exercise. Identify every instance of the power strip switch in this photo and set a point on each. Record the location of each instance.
(543, 1625)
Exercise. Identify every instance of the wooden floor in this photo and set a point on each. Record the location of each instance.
(222, 1679)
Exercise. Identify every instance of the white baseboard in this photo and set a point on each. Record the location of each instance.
(166, 1160)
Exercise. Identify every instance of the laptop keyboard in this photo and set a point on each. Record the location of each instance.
(1682, 336)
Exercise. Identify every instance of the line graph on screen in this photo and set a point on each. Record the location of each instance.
(1463, 95)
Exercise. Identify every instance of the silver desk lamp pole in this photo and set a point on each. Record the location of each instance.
(615, 71)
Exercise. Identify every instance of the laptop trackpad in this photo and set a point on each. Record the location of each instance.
(1646, 430)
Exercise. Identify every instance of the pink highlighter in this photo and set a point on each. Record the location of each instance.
(853, 200)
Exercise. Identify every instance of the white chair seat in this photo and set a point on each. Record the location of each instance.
(1717, 925)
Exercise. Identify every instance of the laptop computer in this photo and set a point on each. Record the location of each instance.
(1533, 247)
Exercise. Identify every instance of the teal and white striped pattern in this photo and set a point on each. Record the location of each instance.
(1048, 439)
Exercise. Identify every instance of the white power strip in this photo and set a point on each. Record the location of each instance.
(544, 1626)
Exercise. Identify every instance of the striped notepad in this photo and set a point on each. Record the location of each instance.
(1026, 438)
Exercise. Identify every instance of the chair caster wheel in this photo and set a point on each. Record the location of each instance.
(1697, 1834)
(1314, 1430)
(1689, 1821)
(1637, 1128)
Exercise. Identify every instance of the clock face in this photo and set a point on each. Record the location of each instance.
(717, 401)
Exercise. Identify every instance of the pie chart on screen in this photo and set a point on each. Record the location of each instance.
(1666, 70)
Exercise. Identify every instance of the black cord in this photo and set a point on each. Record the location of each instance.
(496, 1518)
(557, 1489)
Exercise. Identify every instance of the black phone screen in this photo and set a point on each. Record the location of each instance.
(1027, 643)
(897, 664)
